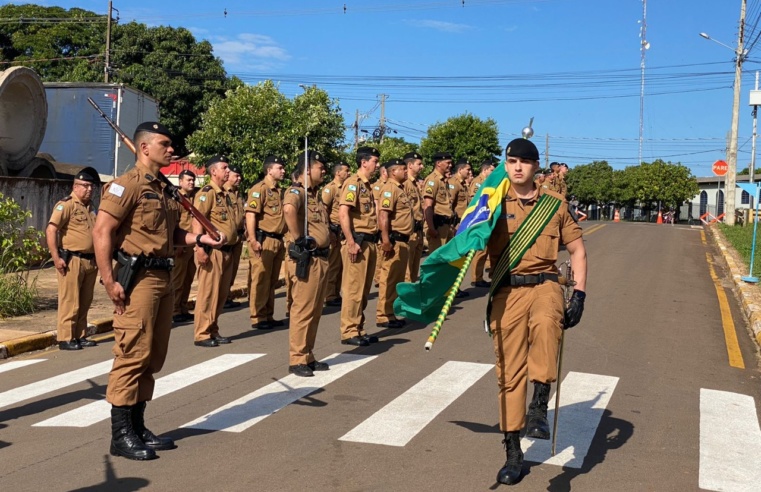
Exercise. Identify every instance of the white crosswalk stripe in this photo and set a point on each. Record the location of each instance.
(9, 366)
(583, 399)
(730, 442)
(401, 420)
(55, 383)
(100, 410)
(251, 409)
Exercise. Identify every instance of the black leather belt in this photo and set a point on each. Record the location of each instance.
(440, 220)
(227, 248)
(336, 229)
(398, 236)
(279, 237)
(321, 252)
(518, 280)
(150, 263)
(84, 256)
(360, 237)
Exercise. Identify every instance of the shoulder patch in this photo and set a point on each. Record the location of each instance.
(429, 191)
(59, 208)
(256, 194)
(206, 188)
(352, 187)
(202, 198)
(451, 187)
(386, 203)
(431, 183)
(387, 193)
(350, 196)
(253, 204)
(295, 191)
(376, 187)
(116, 189)
(478, 185)
(326, 190)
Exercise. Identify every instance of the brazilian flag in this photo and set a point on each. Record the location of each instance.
(423, 300)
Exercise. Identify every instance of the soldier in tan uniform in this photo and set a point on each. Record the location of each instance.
(562, 186)
(139, 222)
(331, 198)
(307, 263)
(215, 267)
(437, 202)
(479, 259)
(377, 185)
(552, 180)
(358, 251)
(266, 225)
(458, 187)
(528, 311)
(184, 270)
(233, 188)
(414, 165)
(396, 226)
(69, 238)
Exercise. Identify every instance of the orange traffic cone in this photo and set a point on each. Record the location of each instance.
(616, 217)
(660, 218)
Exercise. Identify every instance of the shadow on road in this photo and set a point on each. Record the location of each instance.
(93, 393)
(115, 484)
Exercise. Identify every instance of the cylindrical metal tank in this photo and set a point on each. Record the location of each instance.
(23, 117)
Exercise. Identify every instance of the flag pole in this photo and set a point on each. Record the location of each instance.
(450, 299)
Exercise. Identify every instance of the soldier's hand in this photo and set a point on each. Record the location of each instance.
(201, 257)
(60, 265)
(116, 293)
(575, 309)
(256, 248)
(388, 250)
(354, 250)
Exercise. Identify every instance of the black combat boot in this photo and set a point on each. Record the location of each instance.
(511, 473)
(150, 439)
(537, 425)
(124, 441)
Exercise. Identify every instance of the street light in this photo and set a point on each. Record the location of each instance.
(729, 188)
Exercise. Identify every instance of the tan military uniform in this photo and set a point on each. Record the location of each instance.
(266, 201)
(184, 270)
(561, 186)
(330, 197)
(529, 312)
(436, 188)
(395, 201)
(241, 225)
(357, 277)
(147, 220)
(458, 190)
(417, 238)
(75, 222)
(217, 205)
(377, 186)
(479, 259)
(308, 294)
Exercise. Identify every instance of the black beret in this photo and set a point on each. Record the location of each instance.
(368, 151)
(313, 156)
(234, 168)
(215, 159)
(548, 171)
(563, 164)
(273, 159)
(88, 175)
(554, 164)
(489, 161)
(463, 160)
(523, 148)
(412, 155)
(393, 162)
(153, 127)
(442, 156)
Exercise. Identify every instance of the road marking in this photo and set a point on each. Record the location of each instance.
(594, 229)
(9, 366)
(401, 420)
(97, 411)
(727, 323)
(55, 383)
(730, 442)
(584, 398)
(251, 409)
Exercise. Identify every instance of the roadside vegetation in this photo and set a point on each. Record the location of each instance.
(741, 238)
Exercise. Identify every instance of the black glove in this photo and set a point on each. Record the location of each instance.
(575, 309)
(301, 242)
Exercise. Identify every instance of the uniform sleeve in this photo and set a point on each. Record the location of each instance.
(254, 201)
(376, 192)
(327, 196)
(431, 188)
(388, 197)
(350, 194)
(293, 197)
(61, 214)
(118, 198)
(204, 201)
(570, 230)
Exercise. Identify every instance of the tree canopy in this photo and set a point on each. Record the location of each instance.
(465, 135)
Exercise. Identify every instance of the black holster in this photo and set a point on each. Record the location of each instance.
(65, 255)
(301, 256)
(129, 267)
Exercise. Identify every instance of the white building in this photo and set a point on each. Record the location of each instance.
(712, 197)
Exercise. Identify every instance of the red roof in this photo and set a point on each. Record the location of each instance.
(176, 167)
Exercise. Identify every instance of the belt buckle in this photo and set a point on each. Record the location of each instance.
(541, 278)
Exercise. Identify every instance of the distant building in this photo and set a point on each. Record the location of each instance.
(176, 167)
(711, 197)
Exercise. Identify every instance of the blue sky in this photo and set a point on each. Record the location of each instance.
(574, 65)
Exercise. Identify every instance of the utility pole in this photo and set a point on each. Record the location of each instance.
(356, 131)
(382, 117)
(547, 151)
(108, 42)
(644, 46)
(729, 190)
(753, 145)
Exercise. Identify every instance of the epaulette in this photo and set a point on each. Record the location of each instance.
(66, 198)
(206, 188)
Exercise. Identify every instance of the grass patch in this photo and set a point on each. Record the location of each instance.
(741, 238)
(17, 294)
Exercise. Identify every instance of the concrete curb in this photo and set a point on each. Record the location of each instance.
(748, 294)
(41, 341)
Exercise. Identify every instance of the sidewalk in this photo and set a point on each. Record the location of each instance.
(37, 331)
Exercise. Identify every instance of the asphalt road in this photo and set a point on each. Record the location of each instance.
(649, 399)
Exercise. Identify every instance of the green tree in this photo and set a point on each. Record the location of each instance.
(465, 135)
(252, 122)
(591, 183)
(393, 147)
(670, 184)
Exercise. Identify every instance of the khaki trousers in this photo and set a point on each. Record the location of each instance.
(416, 244)
(445, 234)
(357, 280)
(526, 326)
(75, 291)
(141, 338)
(391, 273)
(213, 286)
(183, 273)
(306, 310)
(479, 263)
(335, 270)
(237, 252)
(265, 272)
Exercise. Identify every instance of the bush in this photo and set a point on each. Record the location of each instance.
(19, 249)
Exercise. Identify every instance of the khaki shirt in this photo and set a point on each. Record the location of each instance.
(475, 185)
(458, 190)
(265, 200)
(416, 200)
(186, 220)
(330, 198)
(217, 205)
(377, 188)
(75, 222)
(239, 209)
(542, 255)
(147, 217)
(395, 200)
(356, 193)
(317, 219)
(436, 187)
(561, 186)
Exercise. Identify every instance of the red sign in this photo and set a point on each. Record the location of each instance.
(720, 168)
